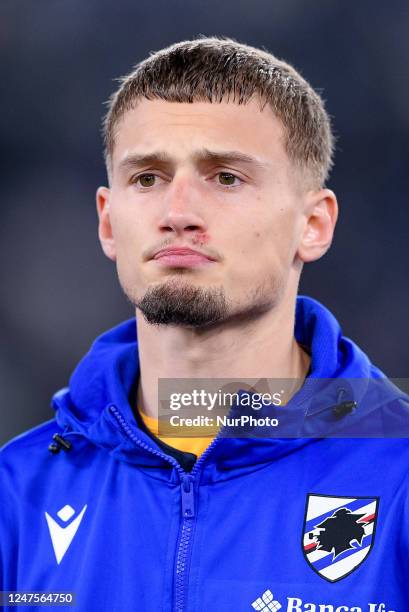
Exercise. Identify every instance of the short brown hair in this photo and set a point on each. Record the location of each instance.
(221, 69)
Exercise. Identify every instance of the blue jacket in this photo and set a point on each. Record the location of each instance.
(268, 523)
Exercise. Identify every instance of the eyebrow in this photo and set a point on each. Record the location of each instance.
(202, 156)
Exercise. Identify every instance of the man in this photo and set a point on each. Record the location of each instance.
(217, 156)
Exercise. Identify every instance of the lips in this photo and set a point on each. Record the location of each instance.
(182, 257)
(182, 252)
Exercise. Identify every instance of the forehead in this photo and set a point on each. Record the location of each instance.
(181, 128)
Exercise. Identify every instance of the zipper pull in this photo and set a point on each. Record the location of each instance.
(188, 500)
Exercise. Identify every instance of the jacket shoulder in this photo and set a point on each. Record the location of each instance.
(22, 446)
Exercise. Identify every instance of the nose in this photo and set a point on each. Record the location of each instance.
(183, 203)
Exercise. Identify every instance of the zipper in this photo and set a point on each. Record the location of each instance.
(187, 530)
(187, 491)
(185, 542)
(130, 434)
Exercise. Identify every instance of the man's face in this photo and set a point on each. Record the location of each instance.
(213, 178)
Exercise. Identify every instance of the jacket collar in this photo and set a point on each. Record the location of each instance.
(102, 384)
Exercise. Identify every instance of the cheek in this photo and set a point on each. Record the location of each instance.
(125, 224)
(123, 236)
(270, 247)
(128, 243)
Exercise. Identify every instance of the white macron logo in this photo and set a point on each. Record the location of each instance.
(62, 537)
(266, 603)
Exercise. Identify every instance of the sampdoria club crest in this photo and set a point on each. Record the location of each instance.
(338, 533)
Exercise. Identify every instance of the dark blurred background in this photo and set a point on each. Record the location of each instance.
(59, 59)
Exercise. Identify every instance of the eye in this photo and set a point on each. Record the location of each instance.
(145, 180)
(227, 179)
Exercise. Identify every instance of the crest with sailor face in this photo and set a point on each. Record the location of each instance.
(338, 533)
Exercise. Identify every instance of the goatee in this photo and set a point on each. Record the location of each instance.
(184, 304)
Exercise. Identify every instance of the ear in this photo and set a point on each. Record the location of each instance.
(321, 213)
(104, 227)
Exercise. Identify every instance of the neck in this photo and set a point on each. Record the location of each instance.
(261, 348)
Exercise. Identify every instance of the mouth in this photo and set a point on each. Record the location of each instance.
(182, 257)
